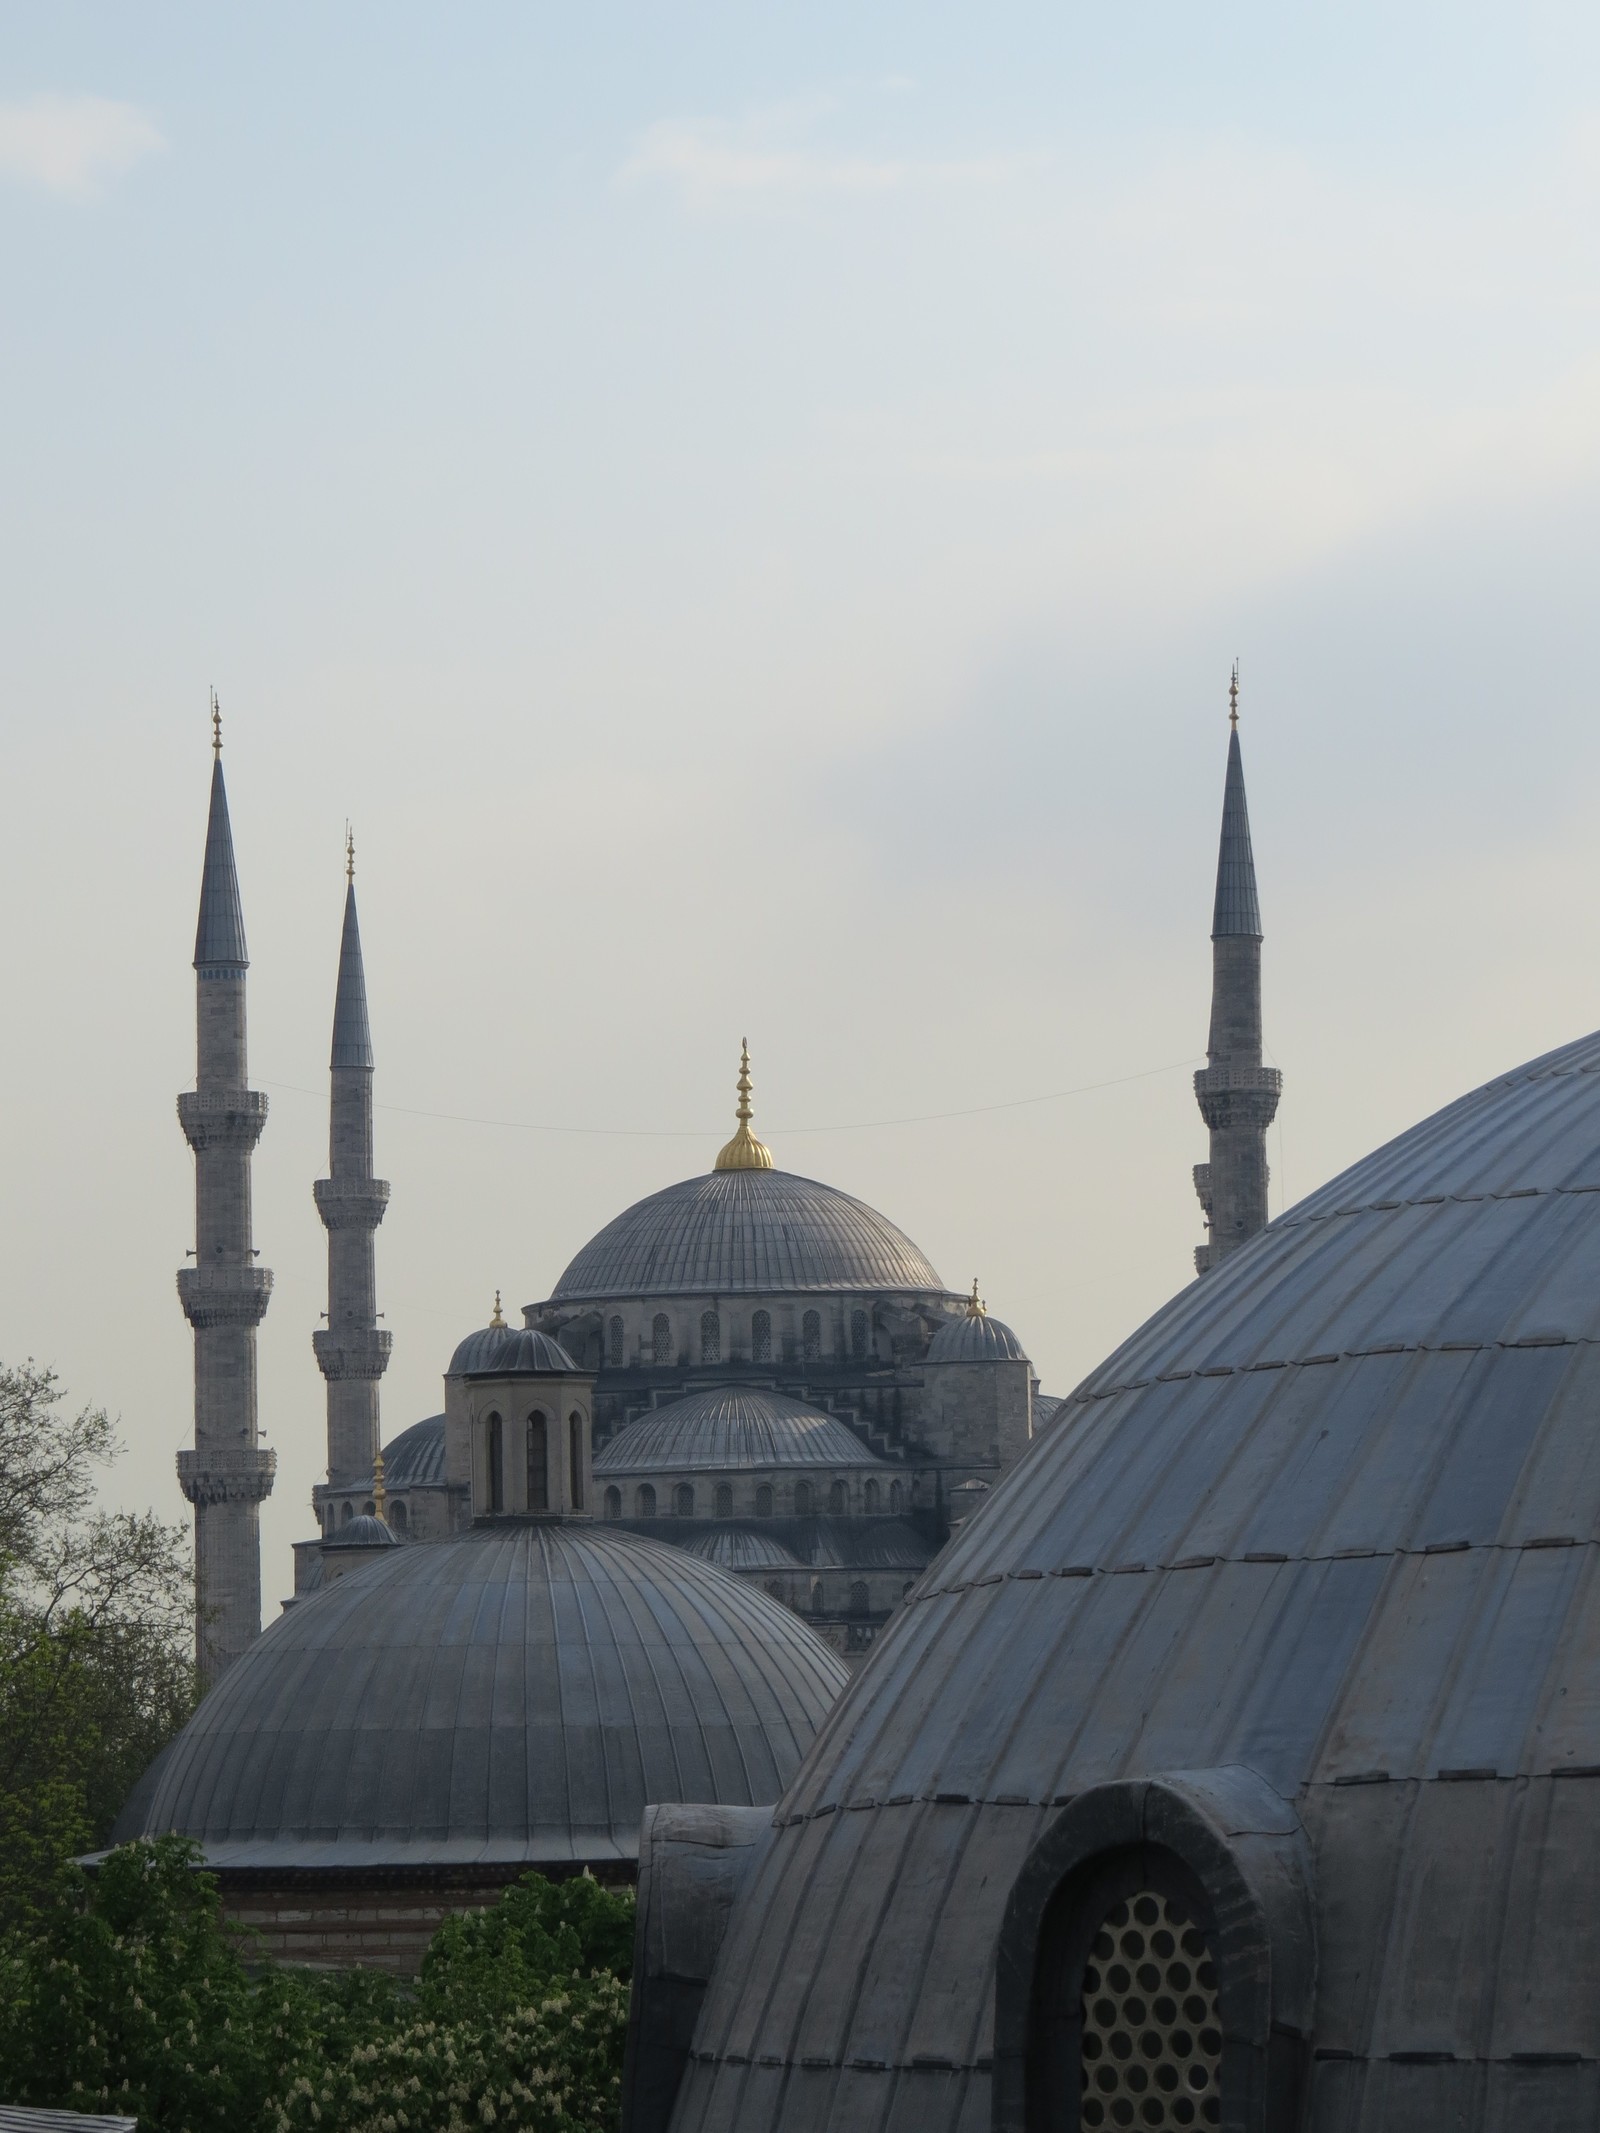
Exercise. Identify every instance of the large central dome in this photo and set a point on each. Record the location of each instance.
(750, 1231)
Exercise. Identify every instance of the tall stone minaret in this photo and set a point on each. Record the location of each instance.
(224, 1294)
(351, 1350)
(1237, 1095)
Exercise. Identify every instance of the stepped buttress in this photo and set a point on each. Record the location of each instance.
(228, 1471)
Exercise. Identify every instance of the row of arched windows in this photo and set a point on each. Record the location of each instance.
(663, 1352)
(685, 1501)
(538, 1468)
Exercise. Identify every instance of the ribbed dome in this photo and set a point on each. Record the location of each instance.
(733, 1427)
(1332, 1517)
(979, 1339)
(363, 1532)
(743, 1548)
(416, 1457)
(753, 1232)
(503, 1351)
(519, 1693)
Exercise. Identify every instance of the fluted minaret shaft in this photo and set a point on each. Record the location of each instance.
(224, 1294)
(351, 1350)
(1237, 1095)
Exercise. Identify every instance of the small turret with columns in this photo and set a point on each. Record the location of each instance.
(228, 1472)
(1237, 1095)
(351, 1350)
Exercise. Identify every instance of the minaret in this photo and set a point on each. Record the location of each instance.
(1237, 1095)
(224, 1294)
(352, 1351)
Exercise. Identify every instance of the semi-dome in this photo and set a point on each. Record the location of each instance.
(975, 1337)
(1297, 1599)
(516, 1694)
(509, 1351)
(734, 1427)
(745, 1231)
(743, 1548)
(415, 1459)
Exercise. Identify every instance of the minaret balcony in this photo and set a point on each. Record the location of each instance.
(1202, 1187)
(224, 1296)
(1238, 1096)
(351, 1203)
(222, 1118)
(352, 1352)
(243, 1474)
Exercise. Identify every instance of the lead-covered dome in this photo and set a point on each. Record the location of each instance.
(736, 1427)
(1319, 1543)
(750, 1231)
(509, 1351)
(975, 1337)
(517, 1694)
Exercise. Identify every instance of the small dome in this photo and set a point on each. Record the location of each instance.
(517, 1694)
(745, 1232)
(975, 1338)
(415, 1459)
(509, 1351)
(736, 1426)
(743, 1548)
(363, 1532)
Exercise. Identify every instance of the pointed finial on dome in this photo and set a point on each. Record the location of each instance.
(744, 1151)
(497, 1320)
(349, 853)
(976, 1307)
(1233, 698)
(379, 1495)
(216, 724)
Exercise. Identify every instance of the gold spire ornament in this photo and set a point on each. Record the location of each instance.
(1233, 698)
(349, 853)
(216, 725)
(744, 1151)
(497, 1320)
(976, 1307)
(379, 1498)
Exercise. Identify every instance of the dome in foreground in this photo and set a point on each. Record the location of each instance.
(519, 1694)
(741, 1427)
(1297, 1597)
(750, 1232)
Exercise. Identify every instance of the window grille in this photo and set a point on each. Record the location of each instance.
(869, 1497)
(816, 1597)
(644, 1501)
(724, 1499)
(614, 1343)
(858, 1334)
(896, 1497)
(802, 1499)
(398, 1521)
(1152, 2042)
(859, 1603)
(839, 1499)
(683, 1499)
(710, 1337)
(613, 1503)
(575, 1460)
(764, 1500)
(538, 1464)
(811, 1336)
(761, 1337)
(661, 1338)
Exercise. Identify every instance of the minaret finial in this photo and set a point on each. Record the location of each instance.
(379, 1494)
(744, 1151)
(1233, 698)
(216, 724)
(497, 1319)
(349, 853)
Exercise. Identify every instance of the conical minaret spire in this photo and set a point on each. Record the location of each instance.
(224, 1294)
(1237, 1095)
(352, 1350)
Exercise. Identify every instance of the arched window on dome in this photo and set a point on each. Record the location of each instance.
(764, 1500)
(811, 1337)
(802, 1499)
(644, 1501)
(724, 1499)
(839, 1498)
(538, 1462)
(897, 1498)
(399, 1519)
(869, 1497)
(575, 1459)
(816, 1597)
(661, 1338)
(497, 1464)
(613, 1502)
(860, 1604)
(614, 1343)
(683, 1499)
(859, 1332)
(710, 1337)
(761, 1337)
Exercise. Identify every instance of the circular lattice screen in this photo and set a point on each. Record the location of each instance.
(1151, 2040)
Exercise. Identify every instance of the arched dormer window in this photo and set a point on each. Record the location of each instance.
(497, 1465)
(661, 1338)
(869, 1497)
(724, 1500)
(860, 1332)
(683, 1499)
(614, 1343)
(613, 1503)
(802, 1499)
(764, 1500)
(538, 1463)
(811, 1337)
(575, 1458)
(839, 1499)
(644, 1501)
(710, 1337)
(761, 1337)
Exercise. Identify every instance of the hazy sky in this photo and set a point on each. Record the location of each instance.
(750, 511)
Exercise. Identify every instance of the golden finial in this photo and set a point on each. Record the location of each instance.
(378, 1496)
(976, 1307)
(1233, 698)
(216, 724)
(497, 1320)
(349, 853)
(744, 1151)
